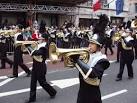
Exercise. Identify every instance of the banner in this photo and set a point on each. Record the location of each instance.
(119, 6)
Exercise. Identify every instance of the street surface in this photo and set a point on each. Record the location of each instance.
(65, 81)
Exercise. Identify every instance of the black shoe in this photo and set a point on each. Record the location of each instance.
(118, 79)
(30, 101)
(130, 77)
(53, 96)
(28, 74)
(12, 76)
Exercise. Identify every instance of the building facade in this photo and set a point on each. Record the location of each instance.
(85, 13)
(80, 15)
(133, 8)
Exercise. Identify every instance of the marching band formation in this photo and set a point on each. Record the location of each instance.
(37, 42)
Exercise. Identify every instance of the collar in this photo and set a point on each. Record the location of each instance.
(95, 57)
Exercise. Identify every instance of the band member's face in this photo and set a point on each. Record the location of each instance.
(92, 47)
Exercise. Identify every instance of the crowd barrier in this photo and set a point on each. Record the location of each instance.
(10, 45)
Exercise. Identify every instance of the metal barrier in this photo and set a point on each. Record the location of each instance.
(10, 45)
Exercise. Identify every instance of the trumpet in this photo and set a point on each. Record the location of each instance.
(55, 53)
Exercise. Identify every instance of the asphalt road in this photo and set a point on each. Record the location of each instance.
(66, 83)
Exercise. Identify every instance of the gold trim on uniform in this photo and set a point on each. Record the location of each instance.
(92, 81)
(124, 46)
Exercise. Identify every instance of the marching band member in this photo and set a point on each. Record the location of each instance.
(133, 26)
(118, 41)
(89, 91)
(35, 35)
(39, 70)
(126, 55)
(135, 43)
(3, 53)
(18, 59)
(108, 43)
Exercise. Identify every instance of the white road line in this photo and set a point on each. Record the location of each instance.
(10, 79)
(55, 71)
(4, 94)
(113, 61)
(3, 77)
(114, 94)
(16, 92)
(63, 83)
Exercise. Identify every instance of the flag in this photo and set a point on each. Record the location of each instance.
(119, 6)
(96, 5)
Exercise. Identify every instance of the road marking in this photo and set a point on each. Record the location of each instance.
(63, 83)
(10, 79)
(16, 92)
(113, 61)
(20, 74)
(68, 69)
(4, 94)
(3, 77)
(114, 94)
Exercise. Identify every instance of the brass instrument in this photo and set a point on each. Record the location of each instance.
(134, 24)
(117, 37)
(30, 48)
(2, 32)
(17, 43)
(7, 33)
(55, 53)
(24, 43)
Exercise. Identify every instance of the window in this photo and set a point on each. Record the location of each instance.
(136, 7)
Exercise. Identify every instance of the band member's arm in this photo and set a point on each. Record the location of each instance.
(3, 37)
(20, 37)
(128, 43)
(97, 70)
(41, 52)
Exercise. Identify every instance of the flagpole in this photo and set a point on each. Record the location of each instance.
(109, 3)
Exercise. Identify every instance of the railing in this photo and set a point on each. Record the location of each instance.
(10, 45)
